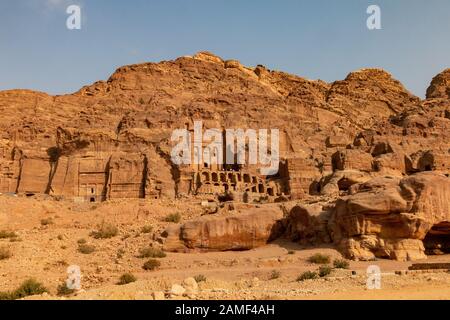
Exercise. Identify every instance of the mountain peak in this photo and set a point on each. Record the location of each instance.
(440, 86)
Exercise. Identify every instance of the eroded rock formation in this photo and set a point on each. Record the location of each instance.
(247, 230)
(112, 140)
(390, 217)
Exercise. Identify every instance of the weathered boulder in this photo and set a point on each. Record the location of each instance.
(177, 290)
(243, 231)
(390, 217)
(342, 181)
(207, 56)
(352, 159)
(367, 247)
(190, 285)
(390, 164)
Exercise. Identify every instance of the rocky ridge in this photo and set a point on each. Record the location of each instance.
(364, 141)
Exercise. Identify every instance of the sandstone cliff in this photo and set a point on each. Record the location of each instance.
(112, 139)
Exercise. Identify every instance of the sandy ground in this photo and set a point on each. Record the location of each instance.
(45, 251)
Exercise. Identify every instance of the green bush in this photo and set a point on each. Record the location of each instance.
(82, 241)
(275, 274)
(63, 290)
(174, 217)
(200, 278)
(6, 296)
(151, 253)
(307, 275)
(30, 287)
(105, 231)
(126, 278)
(319, 258)
(341, 264)
(86, 248)
(147, 229)
(5, 253)
(324, 270)
(151, 264)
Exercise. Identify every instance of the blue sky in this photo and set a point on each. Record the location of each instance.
(317, 39)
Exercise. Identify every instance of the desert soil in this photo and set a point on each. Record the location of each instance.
(44, 251)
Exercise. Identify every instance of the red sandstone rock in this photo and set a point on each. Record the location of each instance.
(389, 217)
(241, 231)
(112, 140)
(440, 86)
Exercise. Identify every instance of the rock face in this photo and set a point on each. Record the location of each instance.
(368, 93)
(243, 231)
(440, 86)
(390, 217)
(112, 140)
(307, 224)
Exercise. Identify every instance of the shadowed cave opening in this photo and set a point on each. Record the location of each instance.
(437, 240)
(344, 184)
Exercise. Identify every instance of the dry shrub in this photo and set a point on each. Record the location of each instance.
(105, 231)
(5, 253)
(151, 264)
(126, 278)
(319, 258)
(151, 253)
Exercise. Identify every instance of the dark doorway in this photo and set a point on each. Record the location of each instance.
(344, 184)
(437, 240)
